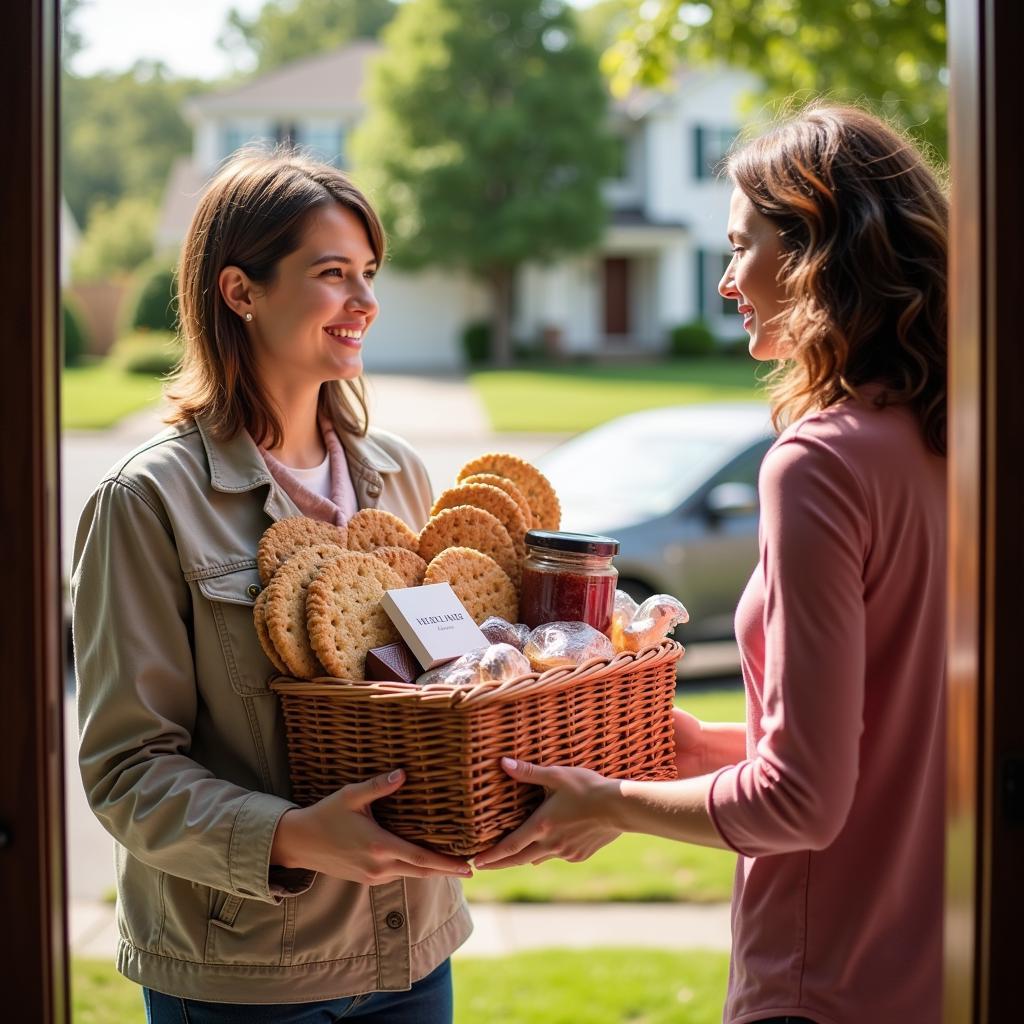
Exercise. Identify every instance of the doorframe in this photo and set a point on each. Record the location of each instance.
(984, 847)
(34, 946)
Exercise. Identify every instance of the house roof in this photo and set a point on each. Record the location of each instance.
(184, 186)
(327, 82)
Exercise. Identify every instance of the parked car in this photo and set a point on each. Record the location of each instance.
(677, 487)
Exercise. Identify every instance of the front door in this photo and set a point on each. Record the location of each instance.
(616, 296)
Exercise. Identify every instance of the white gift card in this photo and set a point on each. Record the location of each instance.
(433, 622)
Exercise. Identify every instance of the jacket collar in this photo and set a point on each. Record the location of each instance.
(236, 465)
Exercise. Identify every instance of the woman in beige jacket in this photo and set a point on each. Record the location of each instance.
(228, 894)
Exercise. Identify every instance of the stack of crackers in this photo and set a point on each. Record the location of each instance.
(319, 611)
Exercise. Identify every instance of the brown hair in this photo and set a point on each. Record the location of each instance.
(863, 223)
(252, 215)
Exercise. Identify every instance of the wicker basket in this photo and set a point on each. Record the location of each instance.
(613, 716)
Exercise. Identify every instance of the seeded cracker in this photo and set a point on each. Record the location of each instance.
(404, 562)
(469, 527)
(372, 528)
(504, 484)
(286, 610)
(490, 499)
(536, 487)
(478, 581)
(259, 618)
(344, 613)
(282, 539)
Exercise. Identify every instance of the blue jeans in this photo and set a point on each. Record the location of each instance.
(429, 1001)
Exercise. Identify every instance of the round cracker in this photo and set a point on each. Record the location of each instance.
(259, 619)
(404, 562)
(470, 527)
(286, 609)
(372, 528)
(537, 489)
(482, 586)
(344, 613)
(490, 499)
(282, 539)
(504, 484)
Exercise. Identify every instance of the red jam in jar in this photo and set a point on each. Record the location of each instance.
(568, 577)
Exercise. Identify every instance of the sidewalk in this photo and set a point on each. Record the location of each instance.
(504, 928)
(443, 418)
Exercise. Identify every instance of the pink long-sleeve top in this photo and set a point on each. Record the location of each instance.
(837, 811)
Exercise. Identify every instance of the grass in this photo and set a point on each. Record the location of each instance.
(634, 868)
(96, 396)
(574, 398)
(595, 986)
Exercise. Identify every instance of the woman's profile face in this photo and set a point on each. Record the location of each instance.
(751, 278)
(309, 324)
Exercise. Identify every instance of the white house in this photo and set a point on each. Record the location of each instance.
(656, 267)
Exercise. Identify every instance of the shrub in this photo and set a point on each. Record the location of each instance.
(117, 240)
(148, 353)
(154, 305)
(476, 342)
(736, 348)
(692, 339)
(75, 337)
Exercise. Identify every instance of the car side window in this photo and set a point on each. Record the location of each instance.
(745, 468)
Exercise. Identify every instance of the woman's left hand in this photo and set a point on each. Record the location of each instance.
(573, 823)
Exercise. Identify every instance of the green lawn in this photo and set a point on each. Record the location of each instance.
(598, 986)
(634, 867)
(574, 398)
(97, 396)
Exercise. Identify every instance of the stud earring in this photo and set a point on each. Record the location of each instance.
(248, 318)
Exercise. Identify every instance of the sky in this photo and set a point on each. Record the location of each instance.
(182, 34)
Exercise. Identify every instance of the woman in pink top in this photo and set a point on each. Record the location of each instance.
(832, 792)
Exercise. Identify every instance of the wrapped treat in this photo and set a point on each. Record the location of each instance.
(493, 663)
(623, 612)
(654, 620)
(501, 631)
(566, 645)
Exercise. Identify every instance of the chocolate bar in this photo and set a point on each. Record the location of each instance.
(392, 663)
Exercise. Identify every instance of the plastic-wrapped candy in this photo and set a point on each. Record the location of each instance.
(566, 645)
(623, 612)
(492, 663)
(500, 631)
(654, 620)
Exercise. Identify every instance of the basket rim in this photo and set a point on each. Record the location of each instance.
(493, 691)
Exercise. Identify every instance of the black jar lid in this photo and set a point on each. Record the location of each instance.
(577, 543)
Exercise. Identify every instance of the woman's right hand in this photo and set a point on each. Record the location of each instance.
(338, 836)
(691, 749)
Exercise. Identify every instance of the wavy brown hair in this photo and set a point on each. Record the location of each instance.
(863, 222)
(252, 215)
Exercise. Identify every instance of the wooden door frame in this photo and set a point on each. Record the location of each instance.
(33, 947)
(985, 893)
(985, 834)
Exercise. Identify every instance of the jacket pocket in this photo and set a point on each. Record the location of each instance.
(245, 932)
(229, 597)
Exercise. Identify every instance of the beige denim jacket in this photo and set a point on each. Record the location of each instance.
(182, 746)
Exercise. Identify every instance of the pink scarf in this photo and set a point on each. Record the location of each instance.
(342, 505)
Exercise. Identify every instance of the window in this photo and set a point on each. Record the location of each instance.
(324, 140)
(620, 158)
(710, 304)
(232, 137)
(710, 147)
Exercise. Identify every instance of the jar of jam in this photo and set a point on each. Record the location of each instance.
(568, 577)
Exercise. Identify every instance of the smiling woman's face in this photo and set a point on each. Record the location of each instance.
(751, 278)
(309, 324)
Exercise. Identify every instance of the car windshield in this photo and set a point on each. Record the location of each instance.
(627, 472)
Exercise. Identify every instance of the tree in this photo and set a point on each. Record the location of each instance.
(890, 54)
(118, 240)
(486, 141)
(285, 31)
(120, 133)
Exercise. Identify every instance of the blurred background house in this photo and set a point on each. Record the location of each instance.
(656, 267)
